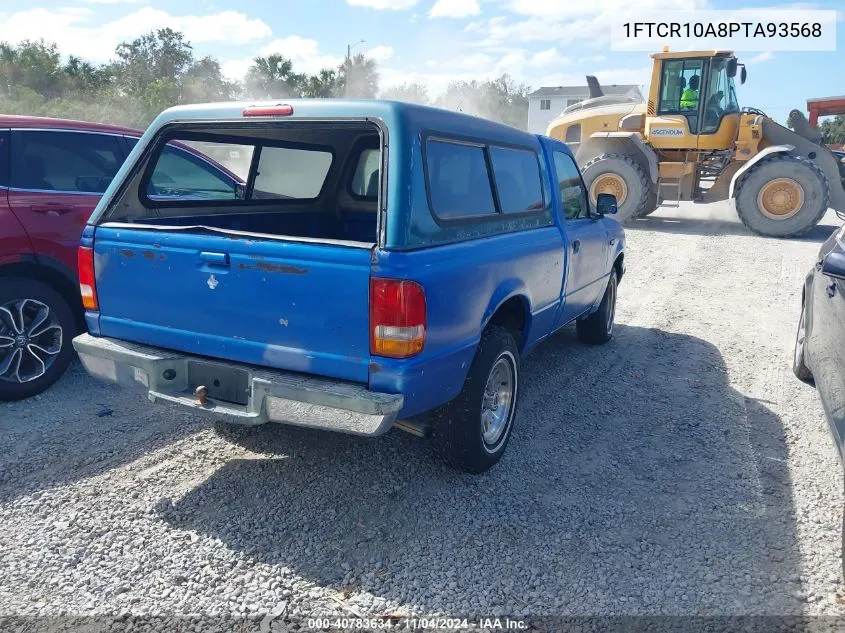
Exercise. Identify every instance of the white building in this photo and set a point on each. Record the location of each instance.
(546, 104)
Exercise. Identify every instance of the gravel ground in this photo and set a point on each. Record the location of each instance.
(678, 470)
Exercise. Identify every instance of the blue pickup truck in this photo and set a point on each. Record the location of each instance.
(374, 264)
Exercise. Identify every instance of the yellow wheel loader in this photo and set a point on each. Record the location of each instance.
(692, 141)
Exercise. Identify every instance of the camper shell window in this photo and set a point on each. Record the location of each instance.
(303, 179)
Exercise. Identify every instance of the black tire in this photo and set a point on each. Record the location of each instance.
(636, 181)
(597, 328)
(799, 364)
(13, 384)
(458, 425)
(650, 205)
(811, 179)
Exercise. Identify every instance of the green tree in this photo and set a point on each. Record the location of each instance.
(409, 92)
(321, 85)
(161, 55)
(363, 77)
(833, 131)
(500, 99)
(272, 77)
(34, 65)
(203, 82)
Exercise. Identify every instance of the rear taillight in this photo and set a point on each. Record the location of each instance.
(397, 317)
(87, 284)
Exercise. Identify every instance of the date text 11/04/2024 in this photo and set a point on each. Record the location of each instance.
(723, 29)
(452, 624)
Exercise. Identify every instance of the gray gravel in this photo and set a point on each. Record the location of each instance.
(678, 470)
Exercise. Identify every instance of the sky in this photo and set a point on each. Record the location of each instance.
(538, 42)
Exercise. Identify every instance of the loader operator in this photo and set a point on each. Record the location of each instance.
(689, 98)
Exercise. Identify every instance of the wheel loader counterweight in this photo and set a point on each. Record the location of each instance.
(692, 141)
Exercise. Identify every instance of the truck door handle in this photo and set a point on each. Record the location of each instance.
(612, 241)
(218, 259)
(831, 289)
(576, 246)
(51, 209)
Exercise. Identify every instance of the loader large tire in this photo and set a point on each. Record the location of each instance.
(622, 176)
(782, 196)
(650, 205)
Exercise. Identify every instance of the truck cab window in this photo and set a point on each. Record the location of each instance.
(573, 194)
(365, 179)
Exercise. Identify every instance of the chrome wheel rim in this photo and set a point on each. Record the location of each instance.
(611, 307)
(497, 403)
(30, 340)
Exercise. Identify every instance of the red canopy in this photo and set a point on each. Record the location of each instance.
(825, 107)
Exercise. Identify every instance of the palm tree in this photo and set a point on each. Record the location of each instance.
(271, 77)
(321, 85)
(363, 77)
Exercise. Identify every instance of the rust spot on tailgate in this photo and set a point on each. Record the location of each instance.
(282, 268)
(127, 253)
(148, 255)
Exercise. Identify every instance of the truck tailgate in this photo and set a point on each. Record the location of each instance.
(291, 305)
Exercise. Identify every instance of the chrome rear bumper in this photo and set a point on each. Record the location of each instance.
(264, 395)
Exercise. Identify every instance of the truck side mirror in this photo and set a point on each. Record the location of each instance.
(743, 74)
(833, 265)
(606, 204)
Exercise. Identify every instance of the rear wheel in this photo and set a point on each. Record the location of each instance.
(598, 327)
(36, 328)
(623, 177)
(473, 430)
(799, 364)
(782, 196)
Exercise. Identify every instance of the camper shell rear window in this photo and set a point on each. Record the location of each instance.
(303, 179)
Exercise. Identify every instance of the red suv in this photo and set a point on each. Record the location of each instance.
(52, 175)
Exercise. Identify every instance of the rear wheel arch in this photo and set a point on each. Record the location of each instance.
(514, 315)
(619, 266)
(55, 277)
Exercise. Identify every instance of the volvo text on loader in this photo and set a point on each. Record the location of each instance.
(692, 141)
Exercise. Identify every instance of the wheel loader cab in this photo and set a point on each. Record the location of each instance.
(693, 102)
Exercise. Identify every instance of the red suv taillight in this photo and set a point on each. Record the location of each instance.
(397, 317)
(87, 284)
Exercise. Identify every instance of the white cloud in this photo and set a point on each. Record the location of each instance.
(762, 57)
(493, 31)
(570, 9)
(305, 54)
(392, 5)
(454, 9)
(566, 22)
(236, 68)
(535, 68)
(380, 53)
(115, 1)
(73, 30)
